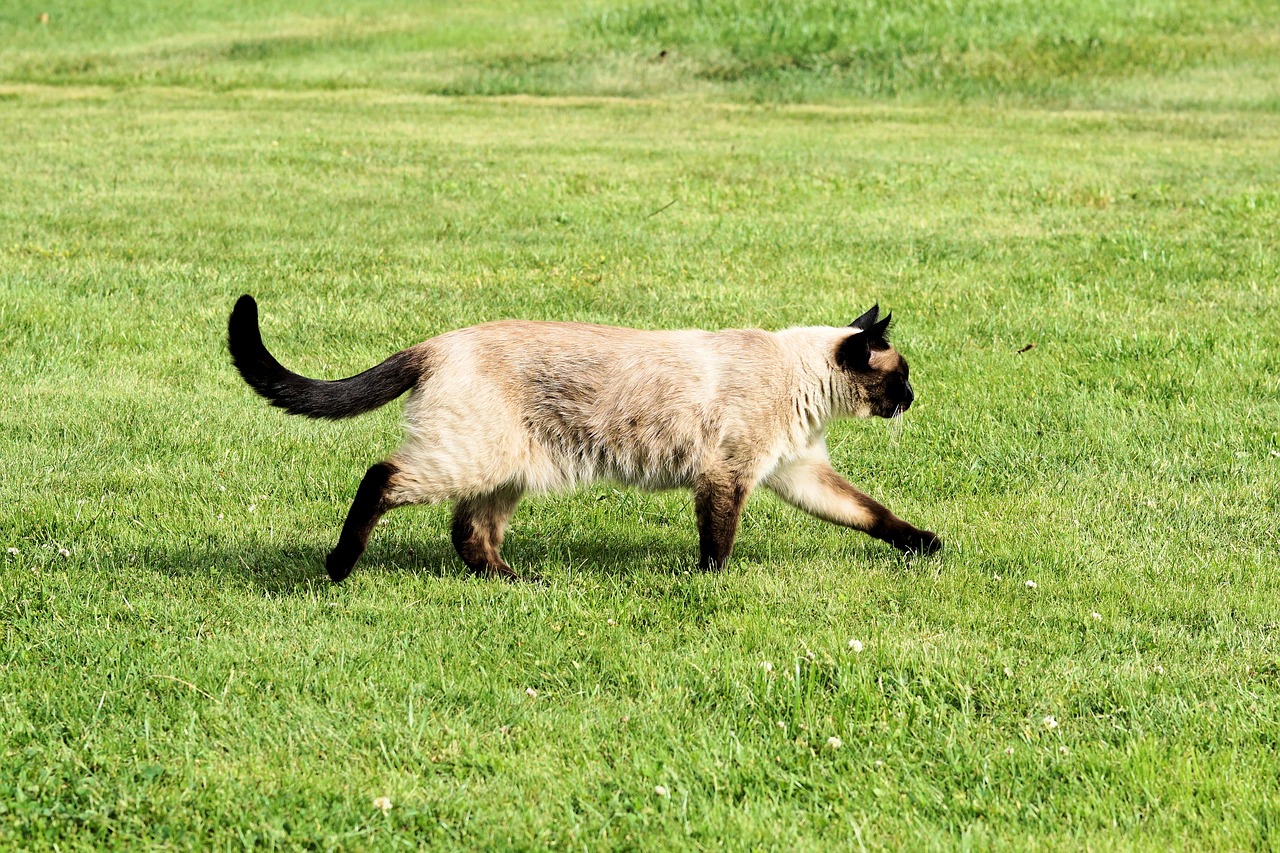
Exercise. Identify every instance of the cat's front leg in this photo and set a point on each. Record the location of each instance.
(811, 484)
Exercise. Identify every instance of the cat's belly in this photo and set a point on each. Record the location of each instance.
(641, 467)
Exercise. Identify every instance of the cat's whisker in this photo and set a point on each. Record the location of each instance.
(896, 424)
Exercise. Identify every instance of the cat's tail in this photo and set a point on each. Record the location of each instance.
(315, 398)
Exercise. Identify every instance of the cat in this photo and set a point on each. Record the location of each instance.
(512, 406)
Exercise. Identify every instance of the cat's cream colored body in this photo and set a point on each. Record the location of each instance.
(539, 407)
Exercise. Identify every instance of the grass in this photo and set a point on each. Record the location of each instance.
(184, 677)
(1136, 54)
(964, 49)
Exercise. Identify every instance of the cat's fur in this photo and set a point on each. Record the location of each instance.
(510, 407)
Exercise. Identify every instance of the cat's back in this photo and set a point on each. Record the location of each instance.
(520, 342)
(557, 358)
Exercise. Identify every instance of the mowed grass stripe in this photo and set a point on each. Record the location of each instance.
(1181, 55)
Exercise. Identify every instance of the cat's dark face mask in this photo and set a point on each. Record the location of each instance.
(879, 373)
(897, 388)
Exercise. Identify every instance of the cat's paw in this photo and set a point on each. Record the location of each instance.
(919, 542)
(339, 563)
(506, 574)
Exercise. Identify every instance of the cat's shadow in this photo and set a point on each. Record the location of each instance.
(275, 569)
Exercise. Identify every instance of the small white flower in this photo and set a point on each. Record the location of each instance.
(1009, 751)
(531, 693)
(219, 516)
(834, 742)
(252, 507)
(1095, 616)
(1158, 669)
(879, 763)
(855, 646)
(995, 577)
(13, 552)
(1064, 750)
(1050, 722)
(63, 552)
(383, 803)
(1008, 673)
(1031, 584)
(782, 725)
(766, 666)
(661, 791)
(611, 622)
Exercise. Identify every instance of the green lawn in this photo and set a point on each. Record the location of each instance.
(177, 672)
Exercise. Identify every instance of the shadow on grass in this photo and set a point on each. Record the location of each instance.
(273, 570)
(269, 568)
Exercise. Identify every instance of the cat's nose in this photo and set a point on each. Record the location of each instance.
(907, 394)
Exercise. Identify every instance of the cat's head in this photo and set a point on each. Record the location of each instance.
(876, 374)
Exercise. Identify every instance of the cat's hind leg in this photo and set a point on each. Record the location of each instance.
(718, 503)
(479, 524)
(375, 496)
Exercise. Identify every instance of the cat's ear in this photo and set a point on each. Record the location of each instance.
(854, 352)
(868, 319)
(880, 332)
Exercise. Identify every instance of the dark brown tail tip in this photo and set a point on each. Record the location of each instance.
(244, 316)
(242, 326)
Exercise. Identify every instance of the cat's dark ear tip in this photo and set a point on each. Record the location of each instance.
(867, 319)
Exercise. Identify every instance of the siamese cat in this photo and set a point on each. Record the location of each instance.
(510, 407)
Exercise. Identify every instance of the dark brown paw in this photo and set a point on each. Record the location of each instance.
(506, 574)
(919, 542)
(340, 563)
